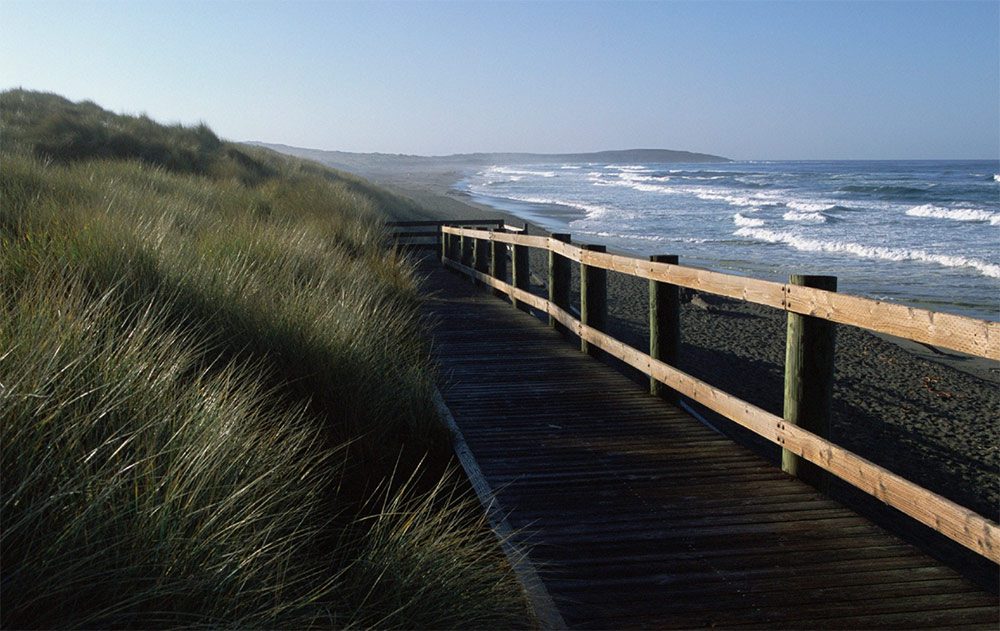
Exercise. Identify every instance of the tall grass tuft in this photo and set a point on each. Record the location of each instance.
(140, 488)
(216, 393)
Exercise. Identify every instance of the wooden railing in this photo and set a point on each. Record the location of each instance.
(482, 254)
(427, 234)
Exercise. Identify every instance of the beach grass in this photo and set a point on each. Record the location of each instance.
(217, 394)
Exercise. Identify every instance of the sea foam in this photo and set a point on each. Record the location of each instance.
(809, 207)
(510, 171)
(869, 252)
(955, 214)
(807, 217)
(634, 168)
(734, 199)
(747, 222)
(638, 183)
(592, 210)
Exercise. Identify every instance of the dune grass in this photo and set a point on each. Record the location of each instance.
(215, 394)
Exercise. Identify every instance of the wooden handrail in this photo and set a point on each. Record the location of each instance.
(960, 524)
(427, 234)
(464, 222)
(955, 332)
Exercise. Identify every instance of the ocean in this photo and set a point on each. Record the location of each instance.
(923, 233)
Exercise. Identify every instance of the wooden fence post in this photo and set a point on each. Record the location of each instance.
(466, 244)
(443, 242)
(559, 280)
(481, 257)
(498, 263)
(664, 326)
(593, 299)
(520, 273)
(809, 350)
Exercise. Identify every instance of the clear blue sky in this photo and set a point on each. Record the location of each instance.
(749, 80)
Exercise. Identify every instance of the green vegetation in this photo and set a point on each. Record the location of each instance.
(216, 399)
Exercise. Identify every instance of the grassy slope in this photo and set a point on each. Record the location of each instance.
(216, 396)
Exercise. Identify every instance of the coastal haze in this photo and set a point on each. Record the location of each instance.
(865, 89)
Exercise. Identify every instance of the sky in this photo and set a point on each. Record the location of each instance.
(746, 80)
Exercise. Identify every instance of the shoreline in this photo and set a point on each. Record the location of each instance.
(440, 185)
(876, 249)
(924, 413)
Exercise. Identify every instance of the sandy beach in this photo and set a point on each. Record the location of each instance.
(927, 414)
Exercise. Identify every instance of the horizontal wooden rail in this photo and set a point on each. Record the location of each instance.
(939, 513)
(464, 222)
(427, 234)
(959, 333)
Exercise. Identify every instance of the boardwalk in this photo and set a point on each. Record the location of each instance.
(640, 516)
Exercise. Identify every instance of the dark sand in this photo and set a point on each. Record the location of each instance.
(929, 415)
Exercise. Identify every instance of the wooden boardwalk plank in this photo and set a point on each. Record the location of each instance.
(636, 515)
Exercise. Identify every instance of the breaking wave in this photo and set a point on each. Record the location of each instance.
(807, 217)
(510, 171)
(868, 252)
(955, 214)
(592, 210)
(645, 237)
(747, 222)
(809, 207)
(627, 167)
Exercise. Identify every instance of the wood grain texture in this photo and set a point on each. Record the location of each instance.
(944, 516)
(635, 515)
(808, 396)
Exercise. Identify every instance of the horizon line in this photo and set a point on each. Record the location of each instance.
(557, 153)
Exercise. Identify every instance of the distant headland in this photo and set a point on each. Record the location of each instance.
(367, 162)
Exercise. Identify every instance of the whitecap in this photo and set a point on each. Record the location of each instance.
(809, 207)
(633, 176)
(634, 237)
(807, 217)
(955, 214)
(632, 167)
(512, 171)
(635, 185)
(648, 188)
(592, 210)
(869, 252)
(734, 200)
(747, 222)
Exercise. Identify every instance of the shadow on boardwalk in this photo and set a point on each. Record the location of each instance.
(637, 515)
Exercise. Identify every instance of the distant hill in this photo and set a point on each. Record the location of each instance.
(369, 162)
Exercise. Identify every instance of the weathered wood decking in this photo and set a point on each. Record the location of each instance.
(637, 515)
